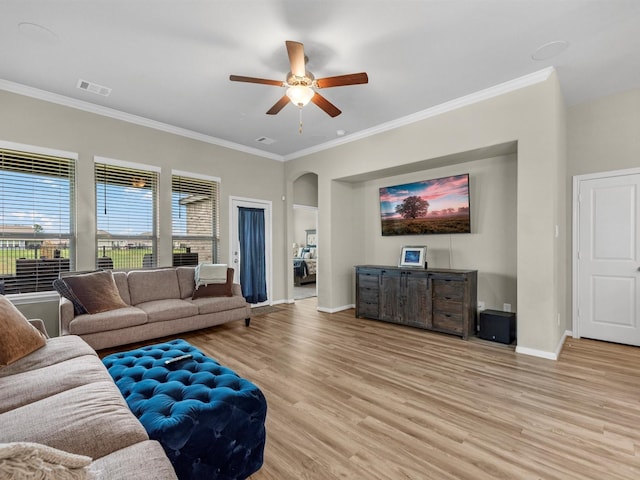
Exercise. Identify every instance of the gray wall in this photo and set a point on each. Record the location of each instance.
(531, 118)
(39, 123)
(491, 248)
(600, 136)
(604, 135)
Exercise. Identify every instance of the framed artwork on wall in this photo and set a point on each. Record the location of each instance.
(311, 238)
(413, 256)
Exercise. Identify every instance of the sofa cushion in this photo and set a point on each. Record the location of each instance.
(123, 286)
(110, 320)
(186, 281)
(149, 285)
(216, 289)
(18, 338)
(28, 387)
(91, 420)
(141, 461)
(97, 291)
(169, 309)
(56, 350)
(218, 304)
(34, 460)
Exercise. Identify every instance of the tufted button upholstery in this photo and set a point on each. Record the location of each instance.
(209, 420)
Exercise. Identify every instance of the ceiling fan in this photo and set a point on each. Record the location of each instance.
(301, 84)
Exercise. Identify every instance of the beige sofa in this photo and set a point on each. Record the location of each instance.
(157, 303)
(61, 396)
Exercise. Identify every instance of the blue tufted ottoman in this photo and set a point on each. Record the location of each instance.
(209, 420)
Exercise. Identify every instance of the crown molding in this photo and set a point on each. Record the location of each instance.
(127, 117)
(500, 89)
(491, 92)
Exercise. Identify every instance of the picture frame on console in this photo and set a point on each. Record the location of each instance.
(413, 256)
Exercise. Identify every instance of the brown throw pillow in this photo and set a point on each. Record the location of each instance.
(96, 291)
(18, 338)
(216, 289)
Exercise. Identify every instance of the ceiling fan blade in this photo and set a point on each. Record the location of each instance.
(263, 81)
(296, 58)
(280, 104)
(340, 80)
(326, 105)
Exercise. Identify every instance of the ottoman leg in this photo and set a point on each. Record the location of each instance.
(247, 321)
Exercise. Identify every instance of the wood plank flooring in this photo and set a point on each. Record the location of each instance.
(358, 399)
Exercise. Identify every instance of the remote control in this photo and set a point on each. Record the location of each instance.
(178, 359)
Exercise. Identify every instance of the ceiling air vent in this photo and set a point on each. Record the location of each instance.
(93, 88)
(265, 140)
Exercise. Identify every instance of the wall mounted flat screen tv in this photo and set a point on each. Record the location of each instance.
(440, 205)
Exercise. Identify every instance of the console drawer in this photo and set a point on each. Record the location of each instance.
(368, 281)
(448, 322)
(443, 305)
(370, 310)
(368, 295)
(448, 289)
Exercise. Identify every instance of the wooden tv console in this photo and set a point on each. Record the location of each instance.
(441, 300)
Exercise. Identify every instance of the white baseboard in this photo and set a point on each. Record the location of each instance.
(337, 309)
(536, 353)
(543, 353)
(567, 333)
(278, 302)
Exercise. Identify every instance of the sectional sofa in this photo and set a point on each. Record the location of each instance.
(61, 414)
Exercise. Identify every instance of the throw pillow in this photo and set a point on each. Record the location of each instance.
(63, 289)
(216, 289)
(34, 460)
(18, 338)
(96, 291)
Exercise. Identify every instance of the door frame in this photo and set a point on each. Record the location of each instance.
(577, 179)
(266, 205)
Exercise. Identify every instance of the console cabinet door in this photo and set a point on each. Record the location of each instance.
(390, 292)
(415, 296)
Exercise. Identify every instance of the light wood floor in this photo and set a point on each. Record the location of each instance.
(357, 399)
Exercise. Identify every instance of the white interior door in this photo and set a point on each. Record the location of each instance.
(234, 239)
(608, 260)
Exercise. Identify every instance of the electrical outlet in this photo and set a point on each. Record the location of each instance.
(506, 307)
(481, 305)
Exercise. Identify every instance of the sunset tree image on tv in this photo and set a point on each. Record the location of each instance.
(440, 205)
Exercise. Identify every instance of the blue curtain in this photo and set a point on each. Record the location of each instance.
(253, 278)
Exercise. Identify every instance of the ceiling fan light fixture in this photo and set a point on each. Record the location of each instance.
(300, 95)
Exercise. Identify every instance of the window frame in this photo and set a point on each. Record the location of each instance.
(153, 237)
(215, 207)
(70, 236)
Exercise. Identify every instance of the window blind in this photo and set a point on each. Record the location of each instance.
(37, 238)
(126, 216)
(195, 219)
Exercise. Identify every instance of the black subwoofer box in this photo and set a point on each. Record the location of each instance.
(497, 326)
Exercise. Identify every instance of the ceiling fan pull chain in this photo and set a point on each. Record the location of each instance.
(300, 129)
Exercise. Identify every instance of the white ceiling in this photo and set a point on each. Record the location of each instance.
(169, 61)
